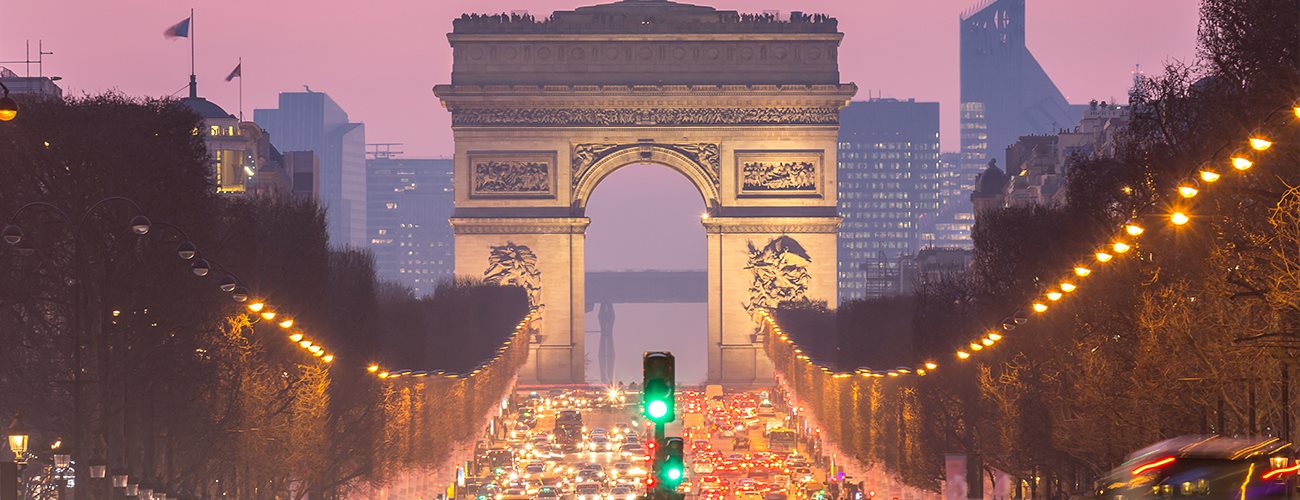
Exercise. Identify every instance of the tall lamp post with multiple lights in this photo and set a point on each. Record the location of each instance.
(15, 236)
(139, 225)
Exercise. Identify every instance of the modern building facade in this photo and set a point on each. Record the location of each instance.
(889, 190)
(312, 121)
(409, 201)
(1005, 93)
(952, 227)
(39, 86)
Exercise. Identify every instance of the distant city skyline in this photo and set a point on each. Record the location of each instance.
(890, 48)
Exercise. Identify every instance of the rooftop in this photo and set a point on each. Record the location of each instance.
(643, 16)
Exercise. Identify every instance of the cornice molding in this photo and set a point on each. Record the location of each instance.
(519, 225)
(771, 225)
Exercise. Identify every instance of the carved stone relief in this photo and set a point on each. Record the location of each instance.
(512, 174)
(779, 274)
(576, 117)
(779, 173)
(515, 265)
(704, 154)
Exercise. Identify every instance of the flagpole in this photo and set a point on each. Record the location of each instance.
(241, 89)
(194, 86)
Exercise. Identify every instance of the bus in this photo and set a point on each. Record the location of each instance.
(781, 440)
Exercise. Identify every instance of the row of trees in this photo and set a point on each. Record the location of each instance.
(1194, 331)
(111, 345)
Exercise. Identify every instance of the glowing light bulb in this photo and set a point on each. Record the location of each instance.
(1082, 271)
(1260, 143)
(1067, 287)
(1120, 247)
(1039, 307)
(1209, 176)
(1187, 191)
(995, 336)
(1134, 230)
(288, 323)
(1240, 162)
(1179, 218)
(295, 337)
(963, 354)
(256, 307)
(268, 315)
(930, 365)
(328, 358)
(372, 368)
(975, 346)
(1104, 257)
(987, 342)
(1053, 296)
(305, 344)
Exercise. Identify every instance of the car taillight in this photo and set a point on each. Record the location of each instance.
(1150, 466)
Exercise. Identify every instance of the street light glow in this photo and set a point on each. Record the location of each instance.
(1179, 218)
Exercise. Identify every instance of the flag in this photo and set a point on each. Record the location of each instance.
(236, 73)
(180, 30)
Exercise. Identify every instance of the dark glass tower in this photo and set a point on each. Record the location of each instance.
(1004, 92)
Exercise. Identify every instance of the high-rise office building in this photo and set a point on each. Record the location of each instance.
(1005, 93)
(888, 188)
(311, 121)
(952, 226)
(409, 202)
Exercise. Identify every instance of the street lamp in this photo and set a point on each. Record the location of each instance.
(8, 106)
(120, 478)
(18, 439)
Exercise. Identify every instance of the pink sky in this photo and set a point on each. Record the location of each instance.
(380, 59)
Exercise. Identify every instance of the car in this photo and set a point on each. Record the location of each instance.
(548, 492)
(1189, 466)
(702, 467)
(740, 443)
(632, 450)
(622, 493)
(599, 443)
(513, 494)
(587, 491)
(700, 445)
(707, 484)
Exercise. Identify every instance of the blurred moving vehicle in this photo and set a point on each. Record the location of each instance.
(1206, 467)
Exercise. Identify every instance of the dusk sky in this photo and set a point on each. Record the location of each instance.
(380, 59)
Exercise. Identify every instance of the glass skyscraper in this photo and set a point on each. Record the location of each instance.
(889, 189)
(409, 202)
(311, 121)
(1004, 92)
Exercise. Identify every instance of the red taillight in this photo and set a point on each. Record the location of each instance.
(1144, 468)
(1283, 471)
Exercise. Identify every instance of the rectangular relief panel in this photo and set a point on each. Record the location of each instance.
(794, 173)
(512, 174)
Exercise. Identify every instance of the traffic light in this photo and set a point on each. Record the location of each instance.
(657, 391)
(672, 468)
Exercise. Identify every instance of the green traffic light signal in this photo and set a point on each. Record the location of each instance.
(672, 468)
(657, 391)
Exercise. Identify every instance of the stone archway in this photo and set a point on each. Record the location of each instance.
(543, 110)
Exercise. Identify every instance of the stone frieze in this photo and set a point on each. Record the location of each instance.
(607, 117)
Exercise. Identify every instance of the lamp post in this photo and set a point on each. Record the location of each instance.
(14, 235)
(8, 106)
(12, 472)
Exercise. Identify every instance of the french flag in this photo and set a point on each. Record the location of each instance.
(180, 30)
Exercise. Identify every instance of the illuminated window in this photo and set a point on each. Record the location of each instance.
(391, 205)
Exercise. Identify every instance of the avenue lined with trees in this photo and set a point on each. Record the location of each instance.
(1194, 330)
(181, 388)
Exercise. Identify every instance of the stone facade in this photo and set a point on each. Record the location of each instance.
(508, 124)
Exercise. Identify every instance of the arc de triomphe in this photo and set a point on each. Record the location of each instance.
(745, 106)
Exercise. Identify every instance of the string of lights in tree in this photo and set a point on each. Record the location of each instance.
(1239, 161)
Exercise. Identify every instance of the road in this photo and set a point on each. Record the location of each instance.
(590, 443)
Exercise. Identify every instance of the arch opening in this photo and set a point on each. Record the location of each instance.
(646, 260)
(701, 173)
